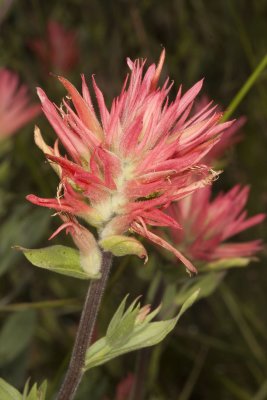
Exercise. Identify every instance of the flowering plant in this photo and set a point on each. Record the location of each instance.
(124, 169)
(137, 164)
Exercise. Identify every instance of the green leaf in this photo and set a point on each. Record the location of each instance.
(16, 334)
(8, 392)
(116, 317)
(142, 334)
(120, 245)
(227, 263)
(26, 389)
(188, 303)
(118, 334)
(42, 391)
(37, 393)
(32, 395)
(61, 259)
(206, 283)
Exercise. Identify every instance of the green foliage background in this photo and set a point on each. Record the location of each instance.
(220, 347)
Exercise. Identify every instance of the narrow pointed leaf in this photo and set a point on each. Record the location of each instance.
(227, 263)
(26, 389)
(42, 391)
(188, 303)
(33, 394)
(207, 283)
(116, 317)
(37, 393)
(124, 329)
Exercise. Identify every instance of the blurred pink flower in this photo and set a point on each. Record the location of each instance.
(124, 387)
(15, 110)
(58, 51)
(208, 224)
(230, 136)
(139, 157)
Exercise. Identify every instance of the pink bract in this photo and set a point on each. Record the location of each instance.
(209, 224)
(15, 107)
(126, 165)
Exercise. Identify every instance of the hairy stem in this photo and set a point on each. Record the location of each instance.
(85, 330)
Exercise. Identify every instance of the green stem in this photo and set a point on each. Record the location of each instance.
(85, 330)
(244, 89)
(194, 374)
(242, 324)
(74, 302)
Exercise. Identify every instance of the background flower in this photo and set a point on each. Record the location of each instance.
(209, 224)
(58, 51)
(15, 107)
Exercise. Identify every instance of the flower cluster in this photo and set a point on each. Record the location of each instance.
(15, 107)
(124, 168)
(209, 224)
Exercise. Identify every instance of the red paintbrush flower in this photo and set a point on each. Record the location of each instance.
(15, 107)
(59, 50)
(123, 168)
(209, 224)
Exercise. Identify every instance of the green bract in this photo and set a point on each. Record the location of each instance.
(227, 263)
(207, 283)
(120, 245)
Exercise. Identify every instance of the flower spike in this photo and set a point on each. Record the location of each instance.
(123, 168)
